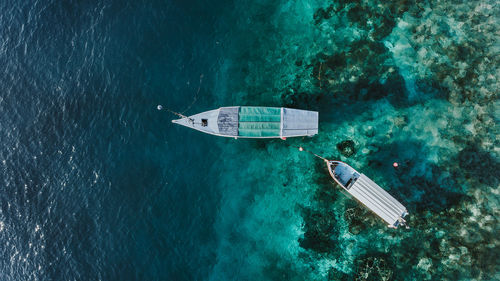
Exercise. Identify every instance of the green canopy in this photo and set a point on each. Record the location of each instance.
(259, 121)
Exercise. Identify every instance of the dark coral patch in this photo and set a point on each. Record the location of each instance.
(359, 218)
(320, 231)
(479, 165)
(346, 148)
(323, 14)
(374, 267)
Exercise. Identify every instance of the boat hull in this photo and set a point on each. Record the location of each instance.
(368, 193)
(254, 122)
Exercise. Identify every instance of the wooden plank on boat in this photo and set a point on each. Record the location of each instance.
(378, 200)
(227, 121)
(297, 122)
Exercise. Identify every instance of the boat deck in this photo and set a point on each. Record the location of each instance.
(378, 200)
(254, 122)
(368, 193)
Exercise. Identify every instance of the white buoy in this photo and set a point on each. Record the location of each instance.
(159, 107)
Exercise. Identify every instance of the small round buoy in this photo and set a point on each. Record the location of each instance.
(301, 149)
(395, 164)
(159, 107)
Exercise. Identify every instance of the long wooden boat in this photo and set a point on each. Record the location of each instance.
(254, 122)
(368, 193)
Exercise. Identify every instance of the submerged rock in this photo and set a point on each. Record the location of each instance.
(400, 121)
(346, 148)
(369, 131)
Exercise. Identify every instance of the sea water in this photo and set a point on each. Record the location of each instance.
(97, 184)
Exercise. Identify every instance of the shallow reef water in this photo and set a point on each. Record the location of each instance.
(413, 82)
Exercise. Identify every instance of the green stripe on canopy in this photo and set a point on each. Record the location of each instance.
(259, 121)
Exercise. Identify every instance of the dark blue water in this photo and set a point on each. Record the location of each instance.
(96, 184)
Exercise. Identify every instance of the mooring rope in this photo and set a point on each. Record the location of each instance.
(300, 148)
(181, 114)
(160, 107)
(195, 96)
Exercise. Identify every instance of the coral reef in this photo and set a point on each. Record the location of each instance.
(319, 232)
(403, 81)
(373, 268)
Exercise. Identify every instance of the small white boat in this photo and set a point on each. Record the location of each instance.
(254, 122)
(368, 193)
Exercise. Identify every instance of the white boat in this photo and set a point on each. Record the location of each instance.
(254, 122)
(368, 193)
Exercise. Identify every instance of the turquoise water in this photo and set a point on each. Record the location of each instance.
(96, 184)
(405, 82)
